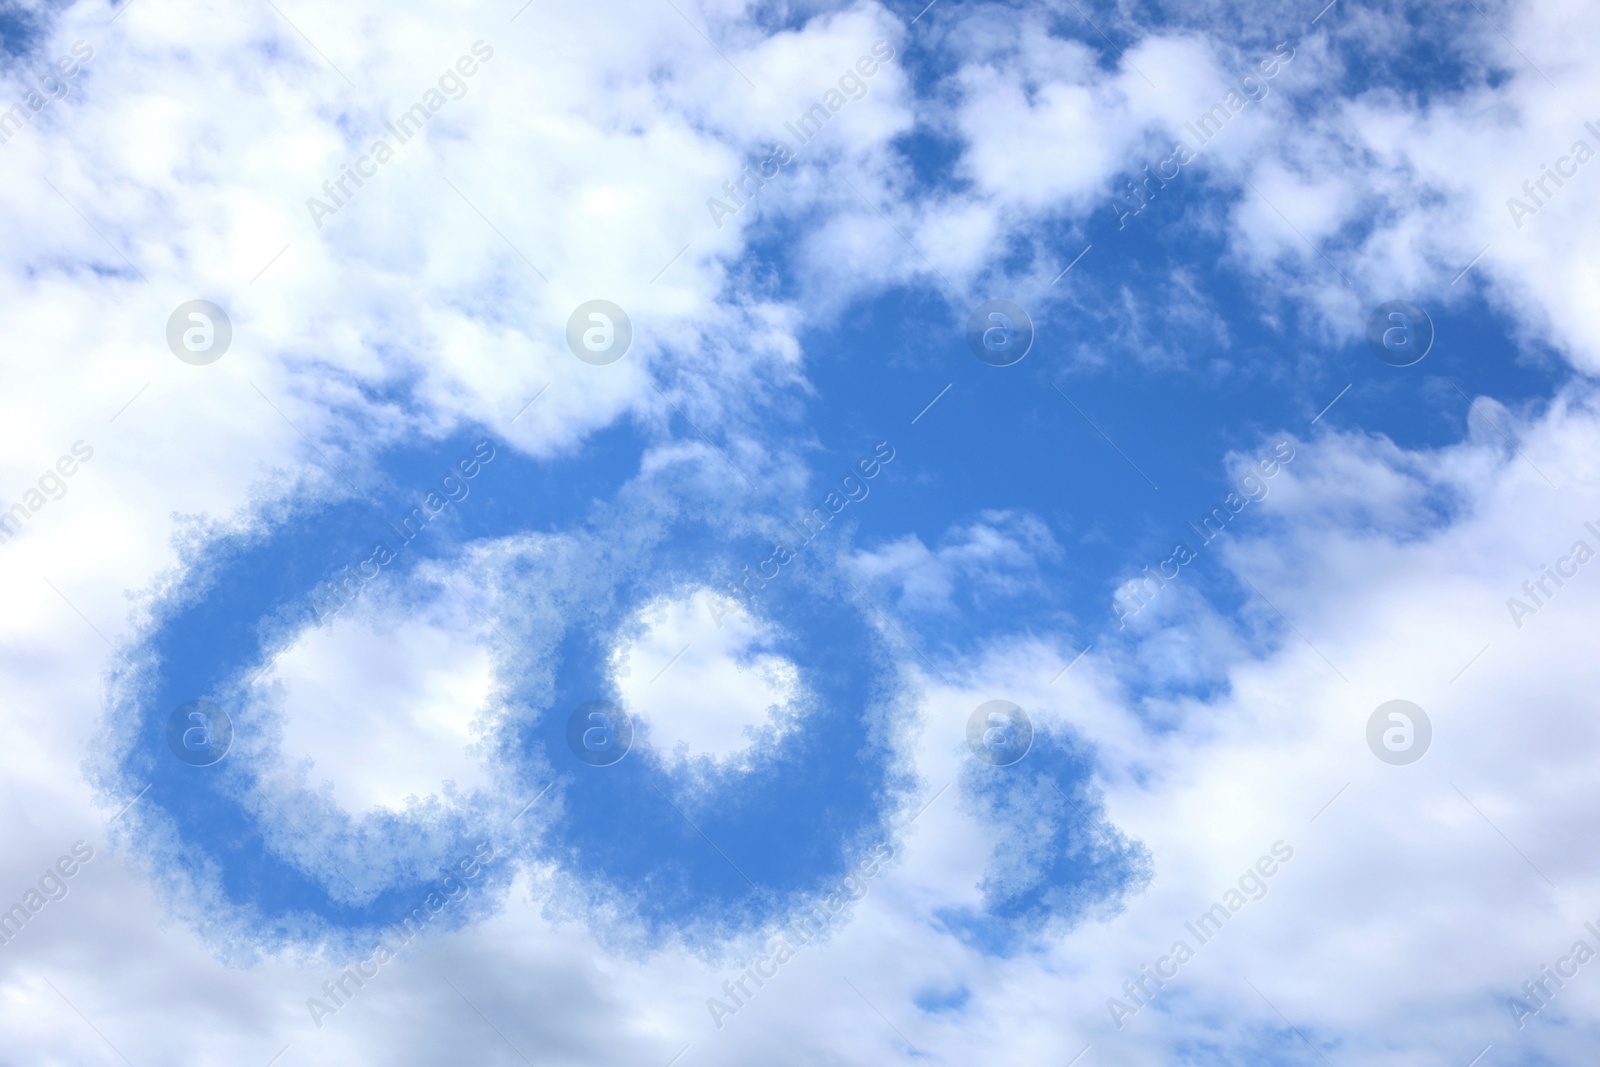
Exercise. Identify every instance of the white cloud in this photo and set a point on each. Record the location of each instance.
(995, 555)
(381, 710)
(693, 669)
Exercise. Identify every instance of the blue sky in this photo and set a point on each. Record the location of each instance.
(981, 534)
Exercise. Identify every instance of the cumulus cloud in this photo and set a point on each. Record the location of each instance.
(695, 674)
